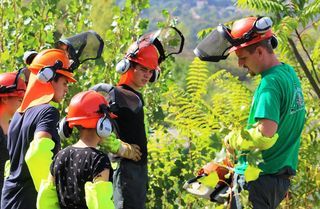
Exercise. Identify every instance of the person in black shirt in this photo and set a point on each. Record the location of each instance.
(130, 179)
(12, 89)
(81, 170)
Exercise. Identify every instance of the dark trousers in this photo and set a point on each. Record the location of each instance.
(130, 182)
(267, 191)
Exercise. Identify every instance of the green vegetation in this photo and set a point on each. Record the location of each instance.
(195, 104)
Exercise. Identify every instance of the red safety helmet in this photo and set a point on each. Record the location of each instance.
(85, 109)
(12, 85)
(48, 59)
(251, 30)
(146, 56)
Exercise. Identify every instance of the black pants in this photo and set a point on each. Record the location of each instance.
(267, 191)
(130, 182)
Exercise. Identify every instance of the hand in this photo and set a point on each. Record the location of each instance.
(129, 151)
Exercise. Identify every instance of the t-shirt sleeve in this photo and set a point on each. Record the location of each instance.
(268, 105)
(48, 121)
(101, 163)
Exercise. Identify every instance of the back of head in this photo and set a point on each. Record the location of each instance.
(85, 109)
(12, 85)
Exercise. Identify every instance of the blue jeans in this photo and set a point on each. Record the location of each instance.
(130, 181)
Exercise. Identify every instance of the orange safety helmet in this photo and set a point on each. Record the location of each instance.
(146, 56)
(12, 85)
(85, 109)
(48, 58)
(249, 30)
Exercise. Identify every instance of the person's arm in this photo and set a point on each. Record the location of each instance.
(268, 128)
(39, 153)
(261, 136)
(98, 193)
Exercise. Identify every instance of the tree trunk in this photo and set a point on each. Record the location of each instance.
(304, 67)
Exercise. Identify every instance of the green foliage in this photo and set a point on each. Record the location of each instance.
(196, 123)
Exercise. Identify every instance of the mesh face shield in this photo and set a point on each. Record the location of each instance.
(82, 47)
(215, 46)
(167, 40)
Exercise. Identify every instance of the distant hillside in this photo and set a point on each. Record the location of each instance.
(194, 15)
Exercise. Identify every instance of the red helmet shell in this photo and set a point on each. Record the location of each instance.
(49, 57)
(242, 27)
(84, 109)
(7, 80)
(146, 56)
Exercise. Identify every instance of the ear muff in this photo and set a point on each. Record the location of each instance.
(274, 42)
(64, 130)
(104, 127)
(47, 74)
(155, 76)
(123, 66)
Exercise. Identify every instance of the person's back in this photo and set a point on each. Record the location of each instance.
(80, 172)
(72, 168)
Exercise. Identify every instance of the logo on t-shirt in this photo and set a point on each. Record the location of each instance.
(298, 101)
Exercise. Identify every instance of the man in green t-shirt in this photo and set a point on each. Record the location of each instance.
(277, 113)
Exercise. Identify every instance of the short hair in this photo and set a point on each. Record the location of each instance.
(57, 76)
(264, 43)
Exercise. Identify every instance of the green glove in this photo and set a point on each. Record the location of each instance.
(98, 195)
(47, 196)
(38, 159)
(7, 169)
(249, 140)
(113, 144)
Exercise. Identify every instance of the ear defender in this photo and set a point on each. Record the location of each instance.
(64, 130)
(123, 66)
(47, 74)
(274, 41)
(263, 24)
(104, 127)
(155, 76)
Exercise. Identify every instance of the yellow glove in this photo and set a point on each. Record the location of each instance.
(7, 169)
(47, 196)
(129, 151)
(249, 140)
(38, 159)
(98, 195)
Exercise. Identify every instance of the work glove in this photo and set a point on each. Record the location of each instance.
(47, 196)
(129, 151)
(123, 149)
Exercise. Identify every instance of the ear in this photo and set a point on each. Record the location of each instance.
(260, 50)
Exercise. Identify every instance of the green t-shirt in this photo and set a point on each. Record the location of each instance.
(279, 98)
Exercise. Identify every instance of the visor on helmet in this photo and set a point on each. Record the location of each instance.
(82, 47)
(222, 41)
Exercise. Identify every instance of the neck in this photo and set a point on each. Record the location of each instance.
(272, 61)
(88, 138)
